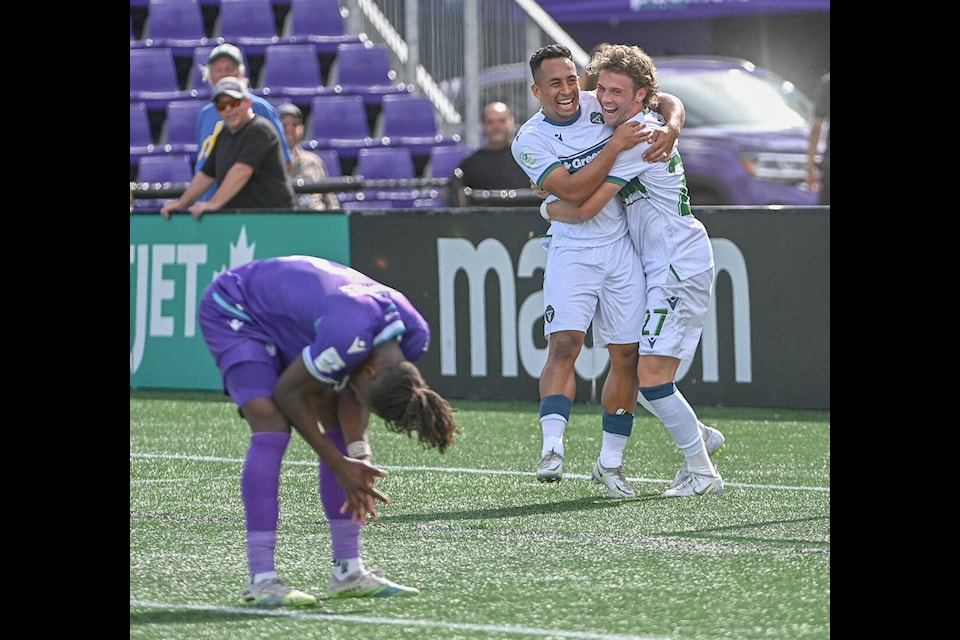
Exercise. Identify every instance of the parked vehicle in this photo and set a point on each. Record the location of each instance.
(744, 141)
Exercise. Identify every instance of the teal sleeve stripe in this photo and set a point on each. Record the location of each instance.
(229, 307)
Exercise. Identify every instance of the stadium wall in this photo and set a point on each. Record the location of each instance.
(476, 275)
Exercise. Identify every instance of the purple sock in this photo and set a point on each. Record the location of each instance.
(344, 535)
(260, 488)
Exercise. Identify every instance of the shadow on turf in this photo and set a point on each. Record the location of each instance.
(540, 509)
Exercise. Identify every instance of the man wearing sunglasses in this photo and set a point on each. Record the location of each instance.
(227, 60)
(246, 164)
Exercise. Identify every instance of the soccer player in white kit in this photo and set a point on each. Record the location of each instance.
(677, 260)
(592, 272)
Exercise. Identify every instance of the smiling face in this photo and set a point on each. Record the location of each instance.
(558, 89)
(235, 112)
(617, 96)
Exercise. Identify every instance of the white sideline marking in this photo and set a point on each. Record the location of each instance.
(497, 630)
(489, 472)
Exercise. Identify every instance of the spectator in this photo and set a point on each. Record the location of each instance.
(492, 166)
(589, 82)
(307, 165)
(308, 343)
(246, 166)
(227, 60)
(820, 175)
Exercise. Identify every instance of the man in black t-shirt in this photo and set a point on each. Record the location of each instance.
(246, 163)
(492, 166)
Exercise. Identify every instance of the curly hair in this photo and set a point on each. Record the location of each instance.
(403, 400)
(631, 61)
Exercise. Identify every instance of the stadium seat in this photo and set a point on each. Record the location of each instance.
(339, 122)
(331, 160)
(249, 24)
(411, 121)
(179, 132)
(175, 24)
(384, 163)
(318, 22)
(291, 71)
(172, 167)
(195, 83)
(444, 159)
(141, 140)
(365, 71)
(169, 168)
(153, 78)
(135, 43)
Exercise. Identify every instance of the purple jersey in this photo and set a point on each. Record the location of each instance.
(284, 307)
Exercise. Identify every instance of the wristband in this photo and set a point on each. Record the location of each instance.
(543, 210)
(359, 449)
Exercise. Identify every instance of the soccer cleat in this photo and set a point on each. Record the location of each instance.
(367, 584)
(550, 467)
(696, 485)
(273, 592)
(714, 441)
(613, 480)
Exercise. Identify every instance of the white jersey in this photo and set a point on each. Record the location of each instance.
(662, 226)
(543, 145)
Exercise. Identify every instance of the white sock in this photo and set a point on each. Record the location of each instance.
(260, 577)
(346, 567)
(611, 450)
(553, 426)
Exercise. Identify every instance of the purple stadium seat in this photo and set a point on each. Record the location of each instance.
(179, 132)
(195, 84)
(339, 122)
(319, 22)
(175, 24)
(365, 71)
(170, 168)
(444, 159)
(385, 163)
(153, 78)
(411, 121)
(141, 140)
(331, 160)
(291, 71)
(249, 24)
(173, 167)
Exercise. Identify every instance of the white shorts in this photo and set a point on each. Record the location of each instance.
(673, 322)
(604, 285)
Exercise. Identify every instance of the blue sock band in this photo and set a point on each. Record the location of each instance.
(659, 391)
(621, 425)
(557, 403)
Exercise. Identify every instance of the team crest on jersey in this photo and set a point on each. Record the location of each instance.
(527, 158)
(596, 117)
(548, 314)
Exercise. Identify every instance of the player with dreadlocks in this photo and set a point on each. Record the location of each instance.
(307, 342)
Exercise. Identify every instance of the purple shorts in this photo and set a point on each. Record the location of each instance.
(248, 361)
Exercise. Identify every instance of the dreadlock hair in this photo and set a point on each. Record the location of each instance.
(403, 400)
(631, 61)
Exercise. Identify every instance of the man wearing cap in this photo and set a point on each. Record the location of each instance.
(246, 166)
(227, 60)
(307, 166)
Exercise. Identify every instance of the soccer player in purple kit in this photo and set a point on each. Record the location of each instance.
(307, 342)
